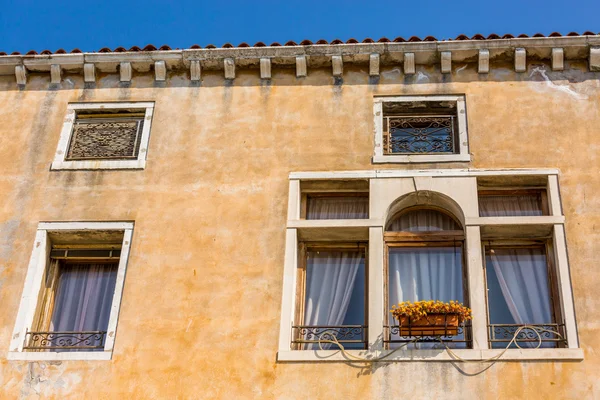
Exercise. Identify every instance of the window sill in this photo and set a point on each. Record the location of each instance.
(98, 164)
(54, 356)
(433, 355)
(425, 158)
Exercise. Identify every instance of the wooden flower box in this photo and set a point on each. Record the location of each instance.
(429, 325)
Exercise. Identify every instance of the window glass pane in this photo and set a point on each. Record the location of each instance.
(423, 221)
(425, 273)
(83, 302)
(337, 207)
(335, 290)
(518, 289)
(510, 205)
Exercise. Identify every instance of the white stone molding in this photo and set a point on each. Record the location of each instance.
(55, 74)
(446, 62)
(484, 61)
(374, 60)
(462, 144)
(376, 297)
(288, 301)
(577, 48)
(265, 68)
(460, 187)
(520, 60)
(195, 71)
(410, 355)
(595, 59)
(229, 68)
(409, 63)
(435, 173)
(160, 71)
(301, 69)
(89, 73)
(558, 59)
(60, 163)
(337, 66)
(125, 72)
(21, 74)
(33, 284)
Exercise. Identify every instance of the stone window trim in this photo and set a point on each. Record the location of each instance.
(463, 146)
(33, 284)
(60, 162)
(460, 185)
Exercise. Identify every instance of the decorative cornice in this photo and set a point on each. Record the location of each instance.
(555, 50)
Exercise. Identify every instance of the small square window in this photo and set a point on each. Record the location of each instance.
(420, 129)
(104, 136)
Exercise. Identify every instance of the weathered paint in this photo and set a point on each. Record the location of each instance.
(201, 302)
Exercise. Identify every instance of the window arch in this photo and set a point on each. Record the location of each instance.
(423, 220)
(424, 254)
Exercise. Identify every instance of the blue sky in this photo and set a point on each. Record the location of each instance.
(91, 24)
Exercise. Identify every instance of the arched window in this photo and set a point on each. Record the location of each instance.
(424, 249)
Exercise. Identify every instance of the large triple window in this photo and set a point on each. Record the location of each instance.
(489, 240)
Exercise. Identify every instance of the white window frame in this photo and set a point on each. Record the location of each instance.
(33, 284)
(460, 185)
(463, 139)
(60, 163)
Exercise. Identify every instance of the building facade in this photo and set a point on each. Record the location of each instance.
(206, 223)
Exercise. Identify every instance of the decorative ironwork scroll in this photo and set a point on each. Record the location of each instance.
(533, 333)
(462, 338)
(419, 135)
(85, 340)
(105, 139)
(345, 334)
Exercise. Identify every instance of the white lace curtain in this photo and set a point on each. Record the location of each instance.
(510, 205)
(338, 207)
(331, 277)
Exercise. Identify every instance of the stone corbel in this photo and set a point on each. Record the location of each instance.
(21, 74)
(265, 68)
(160, 71)
(125, 71)
(229, 67)
(337, 66)
(301, 70)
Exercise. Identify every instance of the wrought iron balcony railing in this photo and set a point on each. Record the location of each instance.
(419, 134)
(350, 336)
(530, 335)
(85, 340)
(462, 339)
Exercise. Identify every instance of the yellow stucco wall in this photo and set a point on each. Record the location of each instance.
(202, 296)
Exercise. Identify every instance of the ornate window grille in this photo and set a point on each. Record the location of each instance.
(67, 341)
(419, 134)
(116, 137)
(350, 336)
(463, 338)
(552, 334)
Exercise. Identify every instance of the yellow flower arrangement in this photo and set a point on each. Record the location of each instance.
(418, 309)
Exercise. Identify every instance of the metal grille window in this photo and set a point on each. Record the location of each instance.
(420, 128)
(417, 129)
(106, 136)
